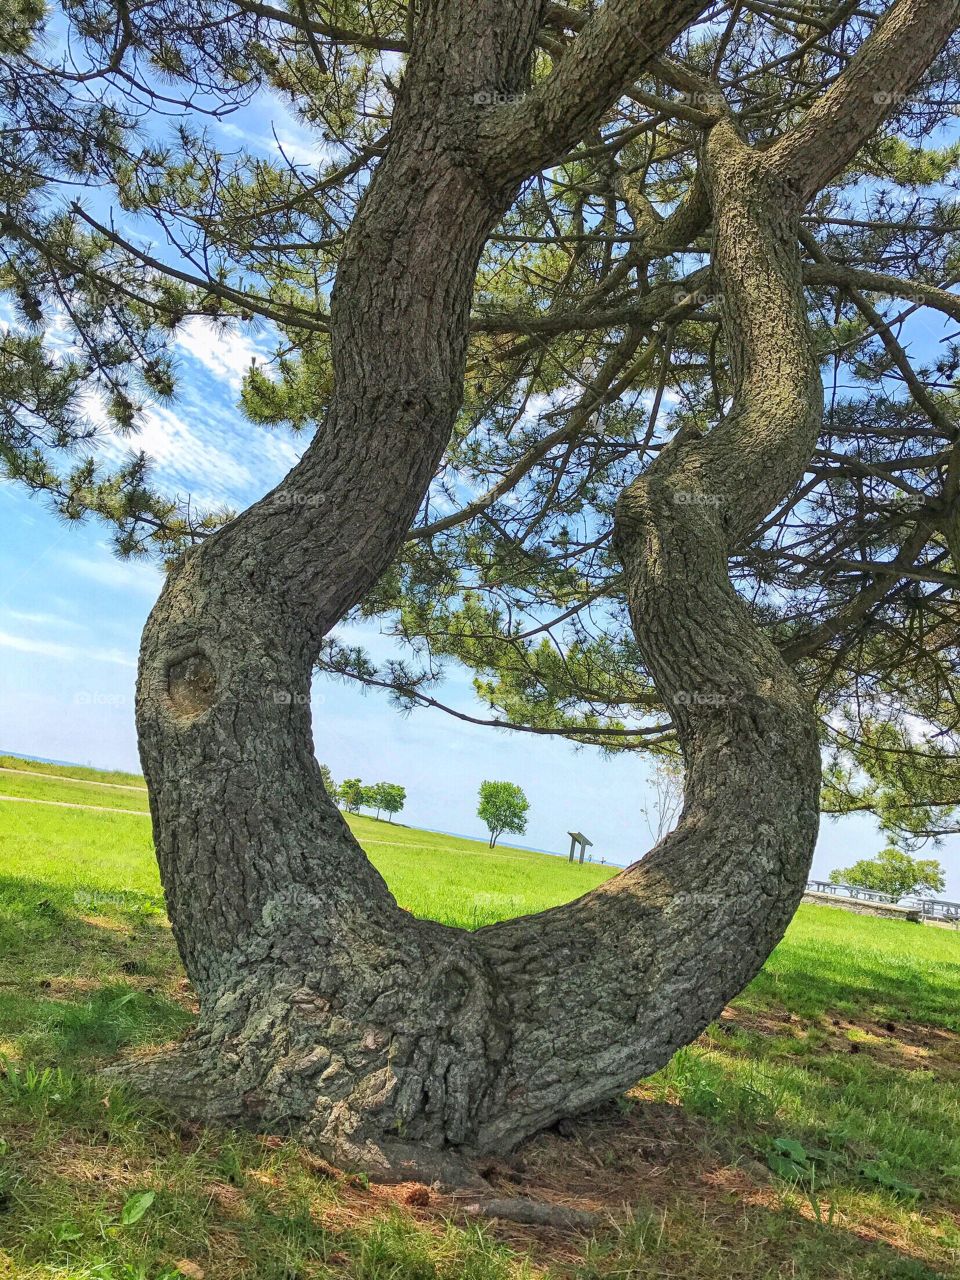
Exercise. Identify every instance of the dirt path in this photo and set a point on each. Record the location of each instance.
(65, 777)
(66, 804)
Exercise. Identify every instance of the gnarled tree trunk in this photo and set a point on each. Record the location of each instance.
(325, 1008)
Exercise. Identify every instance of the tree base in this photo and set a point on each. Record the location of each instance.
(375, 1048)
(198, 1086)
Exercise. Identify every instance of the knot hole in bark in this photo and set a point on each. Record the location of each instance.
(191, 685)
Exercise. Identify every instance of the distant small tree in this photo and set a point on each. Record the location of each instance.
(373, 796)
(328, 784)
(893, 872)
(666, 783)
(503, 807)
(352, 794)
(388, 796)
(392, 797)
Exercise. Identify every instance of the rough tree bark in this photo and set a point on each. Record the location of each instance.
(325, 1008)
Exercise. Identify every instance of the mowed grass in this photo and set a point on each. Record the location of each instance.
(457, 881)
(812, 1132)
(73, 772)
(57, 791)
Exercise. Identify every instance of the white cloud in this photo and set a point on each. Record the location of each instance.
(301, 149)
(274, 130)
(206, 460)
(43, 619)
(187, 455)
(26, 644)
(118, 575)
(226, 353)
(201, 446)
(201, 450)
(540, 403)
(64, 652)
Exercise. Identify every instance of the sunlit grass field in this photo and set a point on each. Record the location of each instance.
(813, 1131)
(456, 881)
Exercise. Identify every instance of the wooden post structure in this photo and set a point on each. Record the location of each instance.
(578, 838)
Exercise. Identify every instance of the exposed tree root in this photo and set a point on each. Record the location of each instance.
(536, 1214)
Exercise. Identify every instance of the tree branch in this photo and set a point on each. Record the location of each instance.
(519, 138)
(884, 69)
(338, 35)
(916, 291)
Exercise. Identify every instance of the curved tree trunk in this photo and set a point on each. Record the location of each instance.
(325, 1008)
(606, 989)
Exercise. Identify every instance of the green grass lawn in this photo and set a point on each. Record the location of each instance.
(72, 772)
(75, 793)
(457, 881)
(813, 1131)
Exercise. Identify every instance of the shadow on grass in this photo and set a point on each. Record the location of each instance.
(85, 974)
(237, 1206)
(25, 897)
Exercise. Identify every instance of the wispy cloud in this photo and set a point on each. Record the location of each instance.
(118, 575)
(43, 620)
(201, 445)
(226, 353)
(64, 652)
(198, 458)
(277, 133)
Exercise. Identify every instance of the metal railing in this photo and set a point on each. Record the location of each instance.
(933, 907)
(937, 908)
(849, 891)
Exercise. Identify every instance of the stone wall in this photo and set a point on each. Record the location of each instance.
(862, 907)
